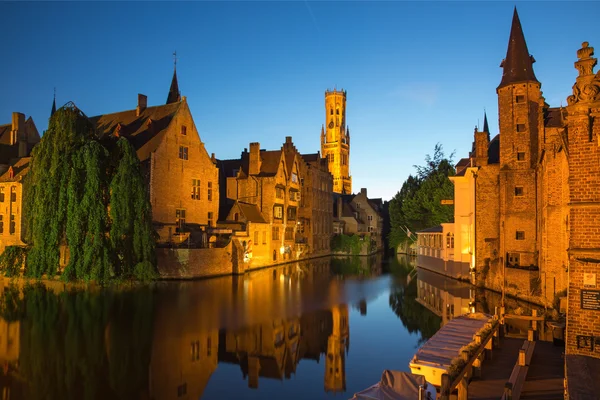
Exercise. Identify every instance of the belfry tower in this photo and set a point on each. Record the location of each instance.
(335, 141)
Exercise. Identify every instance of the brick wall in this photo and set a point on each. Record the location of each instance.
(194, 263)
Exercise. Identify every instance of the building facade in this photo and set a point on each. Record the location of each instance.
(335, 141)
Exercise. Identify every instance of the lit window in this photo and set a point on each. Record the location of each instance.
(450, 240)
(183, 152)
(278, 211)
(195, 189)
(520, 235)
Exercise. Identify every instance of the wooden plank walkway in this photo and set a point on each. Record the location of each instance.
(545, 378)
(496, 372)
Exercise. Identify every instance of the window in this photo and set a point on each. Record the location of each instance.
(294, 177)
(180, 219)
(331, 111)
(520, 98)
(256, 242)
(13, 194)
(183, 130)
(210, 218)
(236, 217)
(208, 346)
(209, 191)
(291, 213)
(520, 235)
(182, 390)
(1, 223)
(278, 211)
(450, 240)
(279, 192)
(370, 228)
(289, 233)
(521, 156)
(514, 259)
(195, 350)
(12, 224)
(358, 206)
(519, 191)
(1, 195)
(275, 233)
(264, 237)
(337, 111)
(195, 189)
(521, 128)
(369, 218)
(183, 152)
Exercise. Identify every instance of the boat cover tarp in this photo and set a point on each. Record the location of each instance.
(445, 345)
(394, 385)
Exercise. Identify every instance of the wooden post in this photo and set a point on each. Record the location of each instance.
(463, 389)
(508, 391)
(521, 358)
(530, 336)
(445, 387)
(534, 322)
(465, 356)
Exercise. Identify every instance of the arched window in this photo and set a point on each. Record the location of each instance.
(450, 240)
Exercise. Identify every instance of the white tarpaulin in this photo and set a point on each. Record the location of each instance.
(395, 385)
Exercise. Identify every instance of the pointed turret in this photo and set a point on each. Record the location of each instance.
(53, 104)
(518, 64)
(486, 128)
(174, 95)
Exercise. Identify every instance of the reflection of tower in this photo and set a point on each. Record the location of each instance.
(335, 362)
(335, 141)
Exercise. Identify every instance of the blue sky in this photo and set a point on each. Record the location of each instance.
(416, 73)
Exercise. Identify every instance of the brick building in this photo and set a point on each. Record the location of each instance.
(357, 214)
(182, 178)
(536, 187)
(16, 142)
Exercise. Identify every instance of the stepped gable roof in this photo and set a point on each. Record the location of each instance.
(553, 118)
(20, 169)
(144, 131)
(433, 229)
(251, 212)
(494, 150)
(518, 64)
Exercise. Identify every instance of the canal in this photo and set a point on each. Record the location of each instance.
(317, 329)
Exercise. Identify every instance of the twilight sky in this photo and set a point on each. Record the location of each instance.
(416, 73)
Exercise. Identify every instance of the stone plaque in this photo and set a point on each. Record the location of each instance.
(590, 300)
(589, 280)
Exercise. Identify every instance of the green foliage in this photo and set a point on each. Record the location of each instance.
(418, 203)
(12, 260)
(349, 244)
(90, 197)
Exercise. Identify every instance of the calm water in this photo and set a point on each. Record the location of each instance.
(322, 329)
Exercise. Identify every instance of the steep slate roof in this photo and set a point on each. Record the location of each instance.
(311, 157)
(461, 166)
(433, 229)
(269, 162)
(144, 131)
(486, 127)
(518, 64)
(20, 169)
(553, 118)
(251, 212)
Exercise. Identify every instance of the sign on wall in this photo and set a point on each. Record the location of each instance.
(447, 202)
(590, 300)
(589, 280)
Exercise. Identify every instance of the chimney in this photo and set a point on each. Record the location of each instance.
(288, 139)
(363, 191)
(254, 164)
(213, 158)
(18, 127)
(142, 104)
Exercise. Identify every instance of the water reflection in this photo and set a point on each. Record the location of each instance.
(277, 332)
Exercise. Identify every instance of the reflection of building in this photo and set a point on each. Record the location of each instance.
(337, 342)
(273, 349)
(184, 355)
(445, 297)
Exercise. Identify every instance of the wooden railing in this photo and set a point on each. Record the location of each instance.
(514, 386)
(472, 365)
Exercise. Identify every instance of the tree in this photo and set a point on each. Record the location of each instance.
(88, 195)
(418, 203)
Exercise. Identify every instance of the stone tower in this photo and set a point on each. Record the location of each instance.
(520, 114)
(335, 141)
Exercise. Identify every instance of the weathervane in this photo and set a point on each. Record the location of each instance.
(175, 58)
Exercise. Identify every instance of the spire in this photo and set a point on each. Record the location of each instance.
(518, 64)
(174, 95)
(53, 104)
(486, 127)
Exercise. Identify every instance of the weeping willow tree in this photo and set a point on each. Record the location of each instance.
(89, 197)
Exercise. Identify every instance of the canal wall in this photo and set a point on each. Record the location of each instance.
(178, 263)
(452, 269)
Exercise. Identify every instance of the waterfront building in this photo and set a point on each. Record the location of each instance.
(16, 142)
(357, 214)
(316, 213)
(335, 141)
(182, 178)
